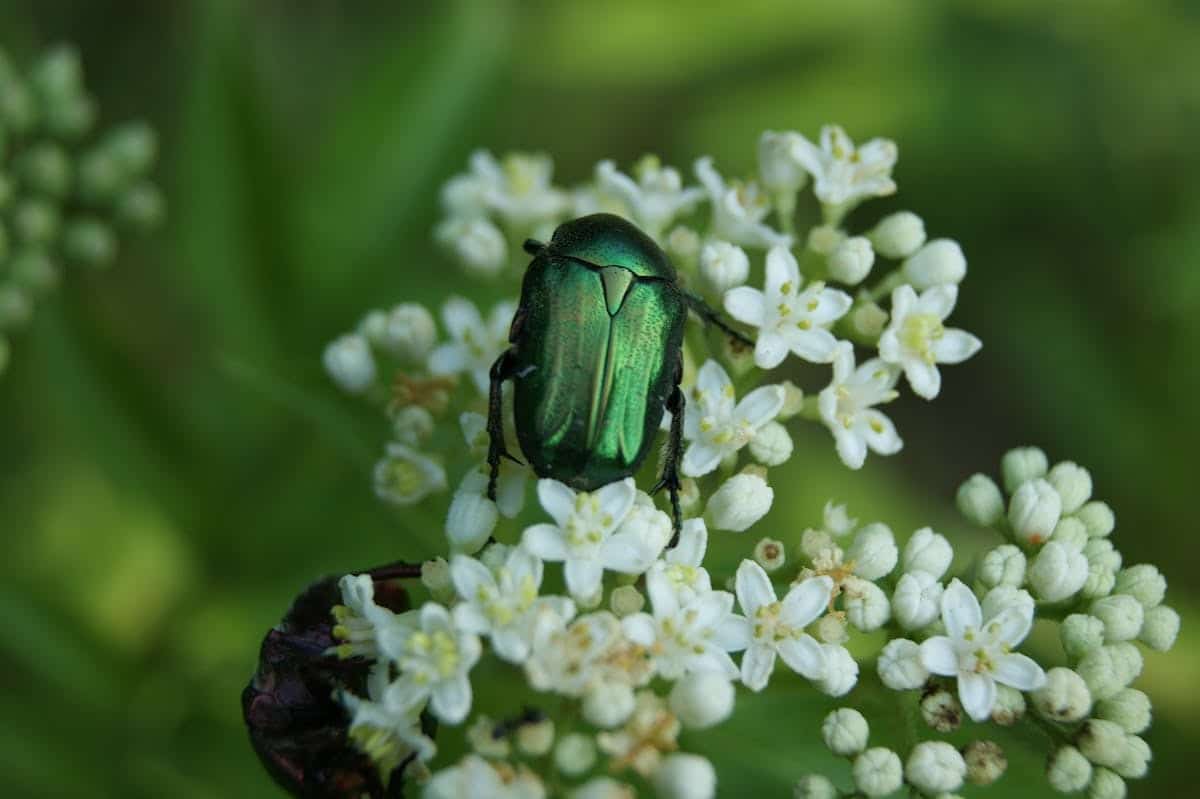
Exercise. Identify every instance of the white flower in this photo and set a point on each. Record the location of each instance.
(844, 174)
(1057, 572)
(349, 362)
(433, 656)
(900, 666)
(935, 767)
(979, 654)
(851, 260)
(789, 318)
(715, 425)
(917, 600)
(723, 265)
(655, 199)
(845, 731)
(817, 786)
(778, 626)
(938, 263)
(685, 776)
(584, 535)
(680, 570)
(928, 551)
(739, 503)
(478, 245)
(738, 210)
(593, 649)
(474, 346)
(405, 476)
(877, 772)
(847, 403)
(688, 637)
(917, 341)
(874, 551)
(702, 700)
(519, 189)
(780, 172)
(474, 776)
(510, 485)
(358, 617)
(504, 605)
(385, 733)
(1034, 511)
(898, 235)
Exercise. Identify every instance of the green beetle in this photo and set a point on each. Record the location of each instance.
(596, 357)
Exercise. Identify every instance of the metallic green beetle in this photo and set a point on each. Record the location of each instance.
(596, 357)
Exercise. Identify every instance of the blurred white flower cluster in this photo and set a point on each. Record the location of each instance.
(619, 633)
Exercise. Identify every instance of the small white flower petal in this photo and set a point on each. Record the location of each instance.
(757, 664)
(939, 656)
(557, 499)
(1020, 671)
(545, 541)
(955, 346)
(977, 692)
(753, 587)
(804, 656)
(746, 305)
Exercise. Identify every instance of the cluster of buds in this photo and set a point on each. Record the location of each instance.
(63, 199)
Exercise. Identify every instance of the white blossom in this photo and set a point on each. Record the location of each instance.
(917, 341)
(405, 477)
(789, 316)
(847, 407)
(592, 650)
(843, 174)
(865, 604)
(777, 626)
(771, 445)
(836, 521)
(471, 517)
(433, 656)
(778, 168)
(716, 424)
(655, 198)
(519, 188)
(680, 570)
(384, 732)
(980, 653)
(575, 754)
(608, 704)
(349, 362)
(358, 618)
(474, 346)
(474, 776)
(738, 210)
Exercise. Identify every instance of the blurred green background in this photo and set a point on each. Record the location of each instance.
(175, 466)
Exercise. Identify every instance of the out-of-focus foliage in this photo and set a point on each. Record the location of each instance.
(175, 466)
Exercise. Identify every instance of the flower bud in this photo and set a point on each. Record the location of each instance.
(1021, 465)
(1102, 742)
(412, 425)
(769, 553)
(1064, 696)
(683, 244)
(1129, 708)
(1057, 572)
(1121, 614)
(435, 576)
(851, 261)
(1004, 565)
(771, 445)
(536, 737)
(1098, 518)
(1160, 628)
(472, 516)
(482, 738)
(877, 772)
(740, 502)
(1005, 596)
(818, 786)
(1104, 671)
(608, 703)
(1135, 762)
(1127, 661)
(349, 362)
(845, 732)
(1068, 770)
(602, 788)
(917, 599)
(824, 239)
(685, 776)
(938, 263)
(941, 711)
(980, 501)
(900, 666)
(986, 762)
(874, 551)
(90, 242)
(1144, 583)
(868, 320)
(575, 754)
(626, 600)
(702, 699)
(409, 332)
(831, 628)
(813, 543)
(865, 603)
(935, 767)
(140, 207)
(1009, 707)
(793, 401)
(1102, 552)
(836, 521)
(898, 235)
(1073, 483)
(495, 556)
(841, 671)
(929, 552)
(1071, 533)
(1081, 634)
(478, 245)
(1034, 511)
(723, 266)
(1106, 785)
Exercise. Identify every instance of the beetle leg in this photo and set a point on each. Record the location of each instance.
(502, 370)
(670, 474)
(713, 317)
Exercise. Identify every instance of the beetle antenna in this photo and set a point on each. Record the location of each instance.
(533, 246)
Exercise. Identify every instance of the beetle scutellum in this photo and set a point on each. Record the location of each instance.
(596, 357)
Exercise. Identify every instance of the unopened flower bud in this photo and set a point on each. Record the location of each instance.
(938, 263)
(702, 699)
(877, 772)
(865, 603)
(536, 738)
(813, 543)
(898, 235)
(1073, 483)
(723, 266)
(1068, 770)
(349, 362)
(45, 169)
(941, 711)
(980, 500)
(1034, 511)
(435, 576)
(1098, 518)
(685, 776)
(844, 732)
(481, 736)
(1081, 634)
(831, 628)
(900, 666)
(1064, 696)
(769, 553)
(478, 245)
(1102, 742)
(1057, 572)
(472, 516)
(851, 261)
(1004, 565)
(1021, 465)
(625, 600)
(1009, 707)
(1160, 629)
(1144, 583)
(683, 244)
(1102, 669)
(868, 320)
(1106, 784)
(771, 445)
(929, 552)
(409, 332)
(793, 401)
(1121, 614)
(1135, 762)
(689, 496)
(575, 754)
(986, 762)
(841, 671)
(740, 502)
(412, 425)
(1129, 708)
(89, 241)
(602, 788)
(818, 786)
(935, 767)
(1071, 533)
(917, 600)
(824, 239)
(1005, 596)
(608, 703)
(874, 551)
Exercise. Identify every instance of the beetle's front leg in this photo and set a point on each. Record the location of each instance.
(502, 370)
(670, 473)
(713, 317)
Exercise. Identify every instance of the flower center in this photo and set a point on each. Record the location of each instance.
(919, 332)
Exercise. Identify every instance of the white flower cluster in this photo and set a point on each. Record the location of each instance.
(638, 645)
